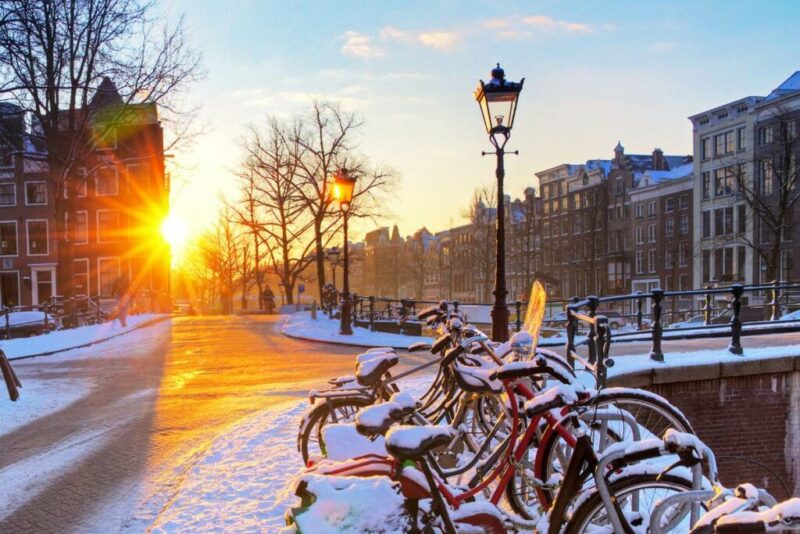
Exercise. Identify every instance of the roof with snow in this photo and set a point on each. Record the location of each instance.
(656, 177)
(791, 85)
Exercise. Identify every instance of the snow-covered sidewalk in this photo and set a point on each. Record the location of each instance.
(73, 338)
(300, 325)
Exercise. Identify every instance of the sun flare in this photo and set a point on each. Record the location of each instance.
(174, 232)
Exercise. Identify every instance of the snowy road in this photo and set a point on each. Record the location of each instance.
(140, 432)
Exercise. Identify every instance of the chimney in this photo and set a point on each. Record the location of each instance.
(658, 160)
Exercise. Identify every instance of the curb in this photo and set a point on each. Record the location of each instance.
(95, 342)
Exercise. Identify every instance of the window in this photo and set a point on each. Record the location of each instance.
(37, 237)
(81, 227)
(684, 224)
(107, 274)
(639, 262)
(8, 238)
(767, 177)
(618, 185)
(81, 276)
(106, 181)
(80, 186)
(683, 255)
(742, 216)
(723, 143)
(651, 208)
(670, 205)
(576, 200)
(651, 233)
(651, 260)
(639, 211)
(706, 265)
(107, 226)
(683, 202)
(706, 184)
(669, 227)
(741, 140)
(668, 259)
(639, 232)
(707, 224)
(786, 265)
(6, 157)
(35, 193)
(8, 194)
(791, 130)
(706, 148)
(723, 182)
(765, 135)
(107, 140)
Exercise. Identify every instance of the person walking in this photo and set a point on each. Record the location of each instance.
(121, 291)
(269, 300)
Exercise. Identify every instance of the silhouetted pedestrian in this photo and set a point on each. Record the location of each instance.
(121, 291)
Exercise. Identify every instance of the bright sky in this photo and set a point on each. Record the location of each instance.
(595, 72)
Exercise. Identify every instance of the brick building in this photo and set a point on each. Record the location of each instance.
(115, 207)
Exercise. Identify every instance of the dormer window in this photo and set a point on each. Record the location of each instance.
(6, 157)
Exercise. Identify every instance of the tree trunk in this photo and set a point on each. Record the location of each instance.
(319, 257)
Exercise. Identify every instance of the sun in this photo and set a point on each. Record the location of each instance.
(174, 232)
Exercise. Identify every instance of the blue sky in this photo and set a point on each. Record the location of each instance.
(596, 72)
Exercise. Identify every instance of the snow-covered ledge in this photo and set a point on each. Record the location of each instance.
(300, 325)
(641, 371)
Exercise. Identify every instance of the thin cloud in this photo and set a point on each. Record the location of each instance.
(360, 45)
(440, 40)
(662, 46)
(543, 21)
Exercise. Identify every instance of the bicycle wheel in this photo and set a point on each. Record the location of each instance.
(637, 496)
(331, 411)
(613, 416)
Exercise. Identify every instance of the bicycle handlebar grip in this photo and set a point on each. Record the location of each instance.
(452, 354)
(633, 457)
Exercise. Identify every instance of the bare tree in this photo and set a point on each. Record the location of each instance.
(326, 139)
(480, 249)
(53, 56)
(246, 211)
(279, 217)
(771, 195)
(419, 259)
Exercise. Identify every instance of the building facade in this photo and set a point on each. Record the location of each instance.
(114, 206)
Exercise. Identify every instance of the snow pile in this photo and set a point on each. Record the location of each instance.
(352, 505)
(301, 325)
(342, 442)
(74, 337)
(22, 318)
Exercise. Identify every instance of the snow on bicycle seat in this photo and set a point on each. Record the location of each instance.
(537, 367)
(555, 397)
(379, 418)
(476, 379)
(366, 356)
(406, 442)
(369, 372)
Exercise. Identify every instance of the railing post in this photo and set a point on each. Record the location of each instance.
(372, 313)
(594, 302)
(518, 307)
(46, 318)
(571, 331)
(8, 324)
(401, 320)
(455, 306)
(776, 305)
(736, 321)
(708, 307)
(639, 313)
(657, 330)
(600, 343)
(354, 314)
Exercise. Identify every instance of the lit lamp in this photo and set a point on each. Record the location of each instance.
(343, 187)
(498, 103)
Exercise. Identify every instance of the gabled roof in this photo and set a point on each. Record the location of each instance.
(681, 171)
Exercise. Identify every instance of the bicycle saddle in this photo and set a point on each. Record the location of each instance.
(476, 380)
(406, 442)
(378, 419)
(555, 397)
(369, 372)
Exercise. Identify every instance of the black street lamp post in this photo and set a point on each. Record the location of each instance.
(343, 192)
(333, 258)
(498, 102)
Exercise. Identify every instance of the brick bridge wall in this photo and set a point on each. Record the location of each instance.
(748, 412)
